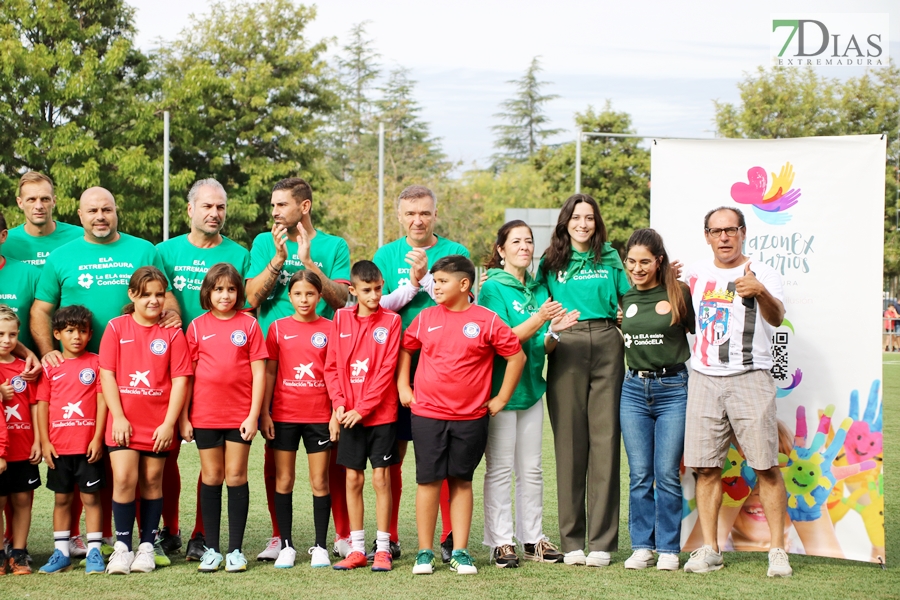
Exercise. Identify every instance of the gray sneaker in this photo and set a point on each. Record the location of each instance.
(779, 566)
(703, 560)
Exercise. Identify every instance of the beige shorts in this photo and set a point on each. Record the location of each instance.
(717, 406)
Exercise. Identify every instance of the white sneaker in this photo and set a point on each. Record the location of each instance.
(144, 559)
(575, 557)
(598, 559)
(779, 565)
(319, 557)
(120, 561)
(640, 559)
(77, 549)
(286, 558)
(273, 549)
(342, 547)
(667, 562)
(704, 560)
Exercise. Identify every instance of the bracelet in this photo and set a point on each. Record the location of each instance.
(273, 269)
(552, 334)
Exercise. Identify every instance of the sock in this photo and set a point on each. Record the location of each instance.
(95, 540)
(321, 508)
(284, 509)
(358, 540)
(198, 514)
(75, 513)
(123, 515)
(337, 481)
(7, 512)
(396, 492)
(151, 513)
(382, 541)
(171, 491)
(61, 541)
(446, 527)
(238, 509)
(211, 510)
(269, 479)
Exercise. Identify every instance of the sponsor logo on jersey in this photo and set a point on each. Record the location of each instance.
(158, 346)
(179, 282)
(12, 411)
(238, 338)
(87, 376)
(72, 409)
(85, 280)
(358, 368)
(303, 370)
(319, 339)
(140, 377)
(517, 306)
(380, 335)
(471, 330)
(18, 384)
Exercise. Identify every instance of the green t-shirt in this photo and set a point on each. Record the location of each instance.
(515, 303)
(651, 342)
(593, 288)
(330, 253)
(33, 250)
(395, 270)
(96, 276)
(186, 266)
(18, 283)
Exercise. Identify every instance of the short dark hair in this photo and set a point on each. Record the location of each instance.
(308, 276)
(216, 272)
(366, 271)
(737, 211)
(300, 190)
(457, 264)
(74, 315)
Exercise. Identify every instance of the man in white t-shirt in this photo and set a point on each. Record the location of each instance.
(738, 304)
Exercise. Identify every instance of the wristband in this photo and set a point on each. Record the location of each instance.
(273, 269)
(552, 334)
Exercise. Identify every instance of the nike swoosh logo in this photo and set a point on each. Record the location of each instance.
(30, 481)
(55, 377)
(90, 483)
(125, 341)
(388, 457)
(343, 335)
(430, 329)
(290, 337)
(323, 442)
(206, 337)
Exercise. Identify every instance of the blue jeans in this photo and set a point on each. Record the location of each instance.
(652, 417)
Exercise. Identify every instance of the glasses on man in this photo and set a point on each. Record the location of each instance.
(645, 263)
(717, 231)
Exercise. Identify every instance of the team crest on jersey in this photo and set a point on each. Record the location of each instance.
(319, 339)
(87, 376)
(715, 316)
(471, 330)
(18, 384)
(380, 335)
(158, 347)
(238, 338)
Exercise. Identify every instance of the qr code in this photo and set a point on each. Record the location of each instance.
(780, 355)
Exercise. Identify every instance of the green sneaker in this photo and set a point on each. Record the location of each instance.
(424, 563)
(461, 562)
(107, 548)
(159, 557)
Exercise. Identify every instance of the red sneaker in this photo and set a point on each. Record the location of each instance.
(383, 561)
(353, 560)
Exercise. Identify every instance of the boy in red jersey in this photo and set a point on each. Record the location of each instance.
(71, 420)
(452, 403)
(359, 373)
(23, 447)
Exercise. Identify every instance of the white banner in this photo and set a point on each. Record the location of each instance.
(815, 212)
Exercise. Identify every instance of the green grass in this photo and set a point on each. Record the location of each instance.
(744, 576)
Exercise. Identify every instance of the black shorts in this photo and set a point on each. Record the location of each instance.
(378, 444)
(216, 438)
(73, 470)
(19, 476)
(404, 423)
(448, 448)
(315, 436)
(150, 453)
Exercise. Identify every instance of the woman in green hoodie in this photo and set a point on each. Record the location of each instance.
(514, 437)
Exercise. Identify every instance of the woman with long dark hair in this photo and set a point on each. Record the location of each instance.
(584, 380)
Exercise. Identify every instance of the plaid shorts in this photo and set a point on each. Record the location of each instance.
(717, 406)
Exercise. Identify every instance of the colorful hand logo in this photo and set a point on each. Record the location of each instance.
(865, 438)
(738, 479)
(768, 204)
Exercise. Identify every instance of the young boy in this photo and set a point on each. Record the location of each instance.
(71, 421)
(23, 449)
(458, 342)
(359, 375)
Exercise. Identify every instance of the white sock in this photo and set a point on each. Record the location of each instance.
(61, 541)
(358, 540)
(95, 540)
(383, 541)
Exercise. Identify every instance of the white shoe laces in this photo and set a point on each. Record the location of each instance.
(778, 557)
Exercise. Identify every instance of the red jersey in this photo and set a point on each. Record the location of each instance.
(361, 362)
(71, 390)
(453, 378)
(145, 359)
(300, 395)
(19, 432)
(223, 381)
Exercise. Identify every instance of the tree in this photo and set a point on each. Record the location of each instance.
(524, 132)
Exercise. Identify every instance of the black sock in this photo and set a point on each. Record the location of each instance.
(123, 518)
(238, 508)
(321, 513)
(284, 506)
(151, 513)
(211, 512)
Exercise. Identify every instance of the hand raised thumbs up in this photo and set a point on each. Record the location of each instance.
(748, 286)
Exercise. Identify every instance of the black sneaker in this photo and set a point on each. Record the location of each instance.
(395, 551)
(2, 561)
(169, 543)
(195, 548)
(505, 557)
(447, 548)
(543, 551)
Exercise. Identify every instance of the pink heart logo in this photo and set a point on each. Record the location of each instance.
(752, 192)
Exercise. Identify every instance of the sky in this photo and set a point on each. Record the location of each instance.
(662, 62)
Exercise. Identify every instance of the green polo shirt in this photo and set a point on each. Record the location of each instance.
(34, 250)
(18, 283)
(589, 286)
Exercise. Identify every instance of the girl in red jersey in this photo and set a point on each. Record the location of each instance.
(144, 370)
(229, 356)
(300, 409)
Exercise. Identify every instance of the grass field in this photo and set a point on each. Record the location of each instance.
(743, 577)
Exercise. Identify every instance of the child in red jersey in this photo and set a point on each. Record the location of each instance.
(144, 371)
(452, 403)
(71, 420)
(300, 409)
(19, 475)
(229, 356)
(359, 372)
